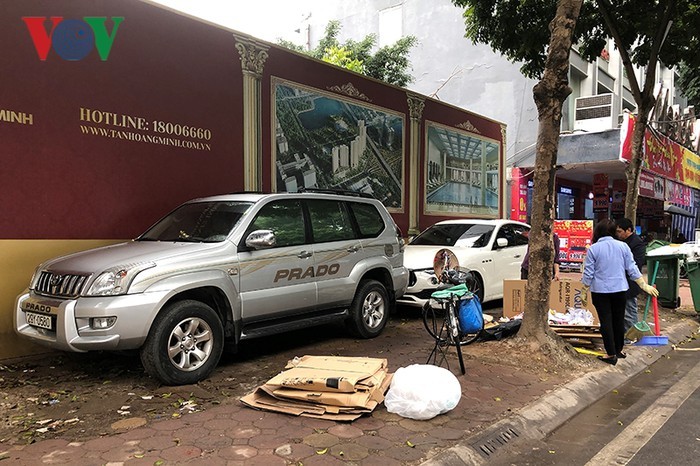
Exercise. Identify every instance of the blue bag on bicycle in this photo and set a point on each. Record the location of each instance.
(471, 318)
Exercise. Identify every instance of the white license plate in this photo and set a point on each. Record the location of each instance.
(39, 320)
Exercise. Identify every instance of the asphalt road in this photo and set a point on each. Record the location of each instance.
(650, 420)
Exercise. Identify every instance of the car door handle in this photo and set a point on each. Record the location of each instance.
(304, 255)
(517, 256)
(352, 249)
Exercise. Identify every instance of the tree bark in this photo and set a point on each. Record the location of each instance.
(549, 95)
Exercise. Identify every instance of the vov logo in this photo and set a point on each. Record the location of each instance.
(72, 39)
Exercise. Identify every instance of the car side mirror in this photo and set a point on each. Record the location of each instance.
(261, 239)
(501, 242)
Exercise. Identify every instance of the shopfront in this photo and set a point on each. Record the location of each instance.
(591, 182)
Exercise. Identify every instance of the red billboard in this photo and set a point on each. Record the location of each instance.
(574, 238)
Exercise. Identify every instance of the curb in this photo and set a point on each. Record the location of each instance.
(541, 417)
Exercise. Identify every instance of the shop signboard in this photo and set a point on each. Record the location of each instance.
(574, 239)
(677, 193)
(518, 198)
(646, 184)
(662, 156)
(619, 188)
(601, 199)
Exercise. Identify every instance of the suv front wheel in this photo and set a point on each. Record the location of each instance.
(369, 311)
(184, 344)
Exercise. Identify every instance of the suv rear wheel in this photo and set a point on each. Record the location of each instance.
(369, 311)
(184, 344)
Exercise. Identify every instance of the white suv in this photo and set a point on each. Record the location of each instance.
(220, 270)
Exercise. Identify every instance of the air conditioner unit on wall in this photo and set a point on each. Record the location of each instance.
(594, 113)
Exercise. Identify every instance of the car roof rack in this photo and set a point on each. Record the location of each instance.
(344, 192)
(249, 192)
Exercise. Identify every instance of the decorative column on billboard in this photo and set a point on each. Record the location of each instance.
(601, 197)
(416, 104)
(253, 55)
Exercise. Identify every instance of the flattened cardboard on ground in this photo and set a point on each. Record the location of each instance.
(325, 400)
(360, 399)
(331, 373)
(563, 294)
(259, 399)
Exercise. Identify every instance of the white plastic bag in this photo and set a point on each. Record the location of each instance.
(422, 391)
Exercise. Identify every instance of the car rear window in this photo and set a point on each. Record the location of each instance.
(369, 220)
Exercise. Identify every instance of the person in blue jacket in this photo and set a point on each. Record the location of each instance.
(606, 267)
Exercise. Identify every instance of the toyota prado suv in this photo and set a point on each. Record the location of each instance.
(220, 270)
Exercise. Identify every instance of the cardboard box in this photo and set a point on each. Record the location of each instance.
(563, 294)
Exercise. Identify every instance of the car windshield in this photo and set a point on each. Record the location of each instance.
(198, 222)
(467, 235)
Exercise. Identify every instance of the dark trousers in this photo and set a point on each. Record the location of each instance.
(611, 313)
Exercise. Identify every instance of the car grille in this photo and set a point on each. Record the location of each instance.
(61, 285)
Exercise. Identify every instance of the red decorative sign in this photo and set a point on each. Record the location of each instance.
(574, 238)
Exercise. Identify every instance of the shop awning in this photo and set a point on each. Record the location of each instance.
(672, 209)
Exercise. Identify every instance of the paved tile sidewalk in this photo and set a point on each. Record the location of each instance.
(237, 435)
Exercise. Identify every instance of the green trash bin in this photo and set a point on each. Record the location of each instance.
(667, 278)
(655, 244)
(693, 268)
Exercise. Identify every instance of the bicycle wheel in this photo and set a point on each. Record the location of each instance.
(434, 321)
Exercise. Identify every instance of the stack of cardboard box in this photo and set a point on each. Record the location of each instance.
(563, 296)
(327, 387)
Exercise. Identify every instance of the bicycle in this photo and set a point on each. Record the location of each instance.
(442, 322)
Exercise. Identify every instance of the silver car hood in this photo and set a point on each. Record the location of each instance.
(133, 252)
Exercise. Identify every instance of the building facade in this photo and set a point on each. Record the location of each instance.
(590, 177)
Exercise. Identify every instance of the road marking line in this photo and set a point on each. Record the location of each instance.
(622, 448)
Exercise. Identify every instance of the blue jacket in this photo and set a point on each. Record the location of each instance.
(606, 267)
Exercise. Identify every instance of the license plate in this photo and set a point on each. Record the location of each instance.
(39, 320)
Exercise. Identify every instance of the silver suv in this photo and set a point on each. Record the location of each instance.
(221, 270)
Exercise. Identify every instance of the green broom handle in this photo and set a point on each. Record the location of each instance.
(653, 280)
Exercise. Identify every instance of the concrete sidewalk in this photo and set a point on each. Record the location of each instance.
(499, 405)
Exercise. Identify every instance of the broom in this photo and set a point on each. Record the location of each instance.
(641, 328)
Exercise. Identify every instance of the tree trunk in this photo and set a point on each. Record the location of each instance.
(549, 95)
(634, 168)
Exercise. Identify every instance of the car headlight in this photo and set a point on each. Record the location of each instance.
(116, 280)
(35, 278)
